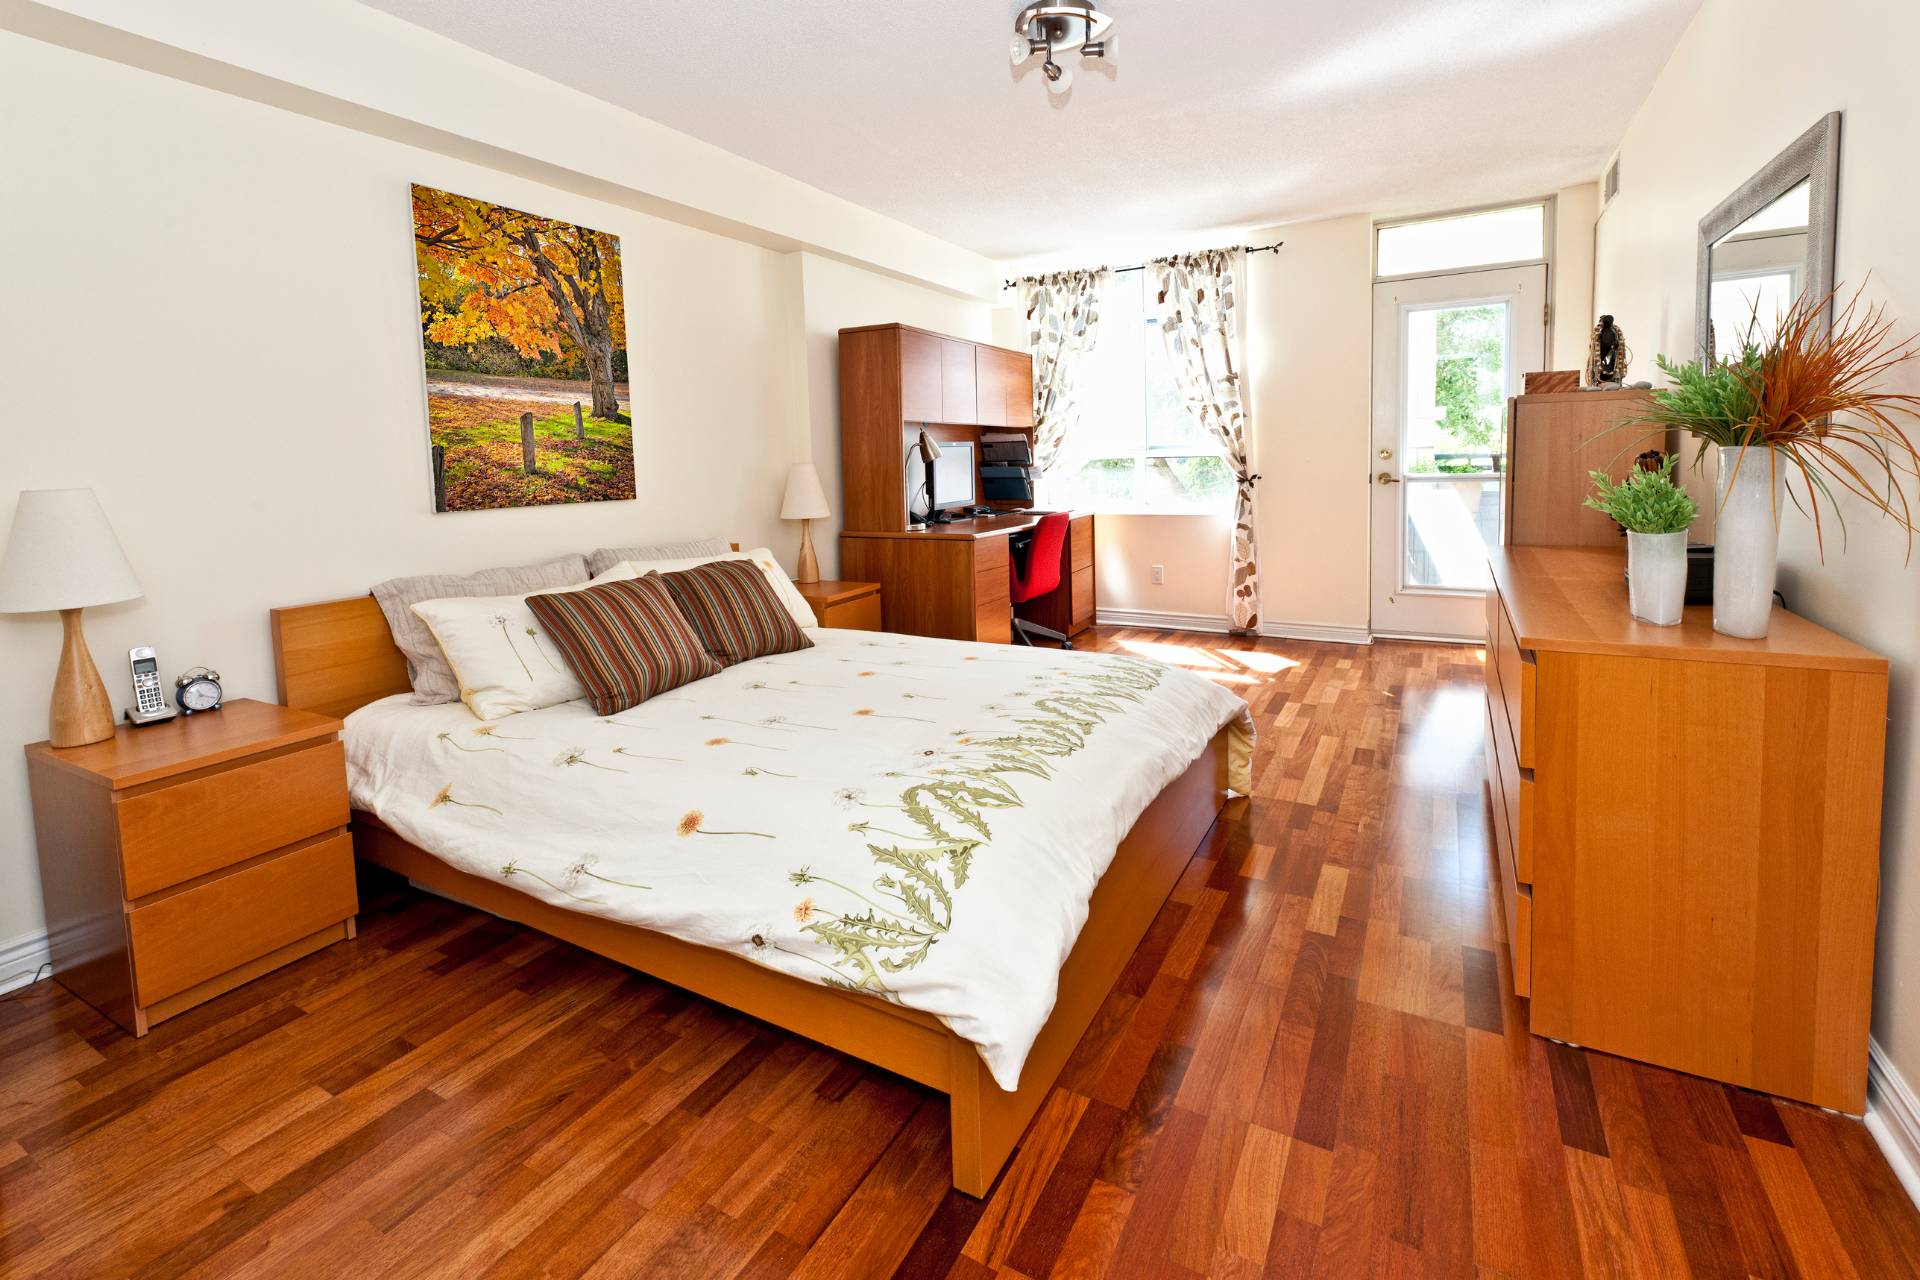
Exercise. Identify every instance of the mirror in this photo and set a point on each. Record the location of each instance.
(1768, 243)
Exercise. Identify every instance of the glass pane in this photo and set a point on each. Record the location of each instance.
(1453, 425)
(1450, 524)
(1471, 240)
(1456, 388)
(1171, 428)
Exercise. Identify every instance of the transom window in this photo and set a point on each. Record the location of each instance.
(1491, 237)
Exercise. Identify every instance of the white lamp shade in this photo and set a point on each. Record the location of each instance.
(62, 555)
(805, 499)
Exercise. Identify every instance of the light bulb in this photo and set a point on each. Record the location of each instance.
(1019, 48)
(1059, 79)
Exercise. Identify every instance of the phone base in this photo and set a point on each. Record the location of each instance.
(136, 719)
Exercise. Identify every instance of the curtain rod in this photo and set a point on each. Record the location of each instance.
(1275, 247)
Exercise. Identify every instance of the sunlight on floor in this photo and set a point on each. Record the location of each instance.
(1254, 660)
(1179, 655)
(1440, 746)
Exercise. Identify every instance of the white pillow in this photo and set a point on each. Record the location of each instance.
(777, 578)
(501, 655)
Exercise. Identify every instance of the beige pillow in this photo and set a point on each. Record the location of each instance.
(607, 557)
(796, 604)
(432, 679)
(502, 657)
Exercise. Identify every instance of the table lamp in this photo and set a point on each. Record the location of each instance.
(62, 555)
(806, 502)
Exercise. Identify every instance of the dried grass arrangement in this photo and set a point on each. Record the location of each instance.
(1813, 396)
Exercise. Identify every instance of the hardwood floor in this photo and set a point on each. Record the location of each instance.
(1311, 1068)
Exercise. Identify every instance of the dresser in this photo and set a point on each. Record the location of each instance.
(1686, 829)
(180, 860)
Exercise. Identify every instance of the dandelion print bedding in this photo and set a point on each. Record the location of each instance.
(921, 820)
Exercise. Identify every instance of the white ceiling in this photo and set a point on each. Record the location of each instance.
(1213, 114)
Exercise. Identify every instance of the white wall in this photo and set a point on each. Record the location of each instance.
(1574, 212)
(211, 320)
(1748, 77)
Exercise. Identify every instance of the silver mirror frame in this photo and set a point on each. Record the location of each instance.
(1813, 158)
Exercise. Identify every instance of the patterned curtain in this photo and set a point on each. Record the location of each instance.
(1196, 300)
(1063, 313)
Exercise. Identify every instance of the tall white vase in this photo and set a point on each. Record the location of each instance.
(1746, 539)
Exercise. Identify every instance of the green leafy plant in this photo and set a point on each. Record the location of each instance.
(1646, 501)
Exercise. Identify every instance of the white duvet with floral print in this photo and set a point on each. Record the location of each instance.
(923, 820)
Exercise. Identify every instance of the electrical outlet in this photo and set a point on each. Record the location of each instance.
(1159, 575)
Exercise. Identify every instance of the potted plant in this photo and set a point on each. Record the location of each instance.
(1771, 413)
(1655, 512)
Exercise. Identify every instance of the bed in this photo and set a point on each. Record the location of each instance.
(829, 840)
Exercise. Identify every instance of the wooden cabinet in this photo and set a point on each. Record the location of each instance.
(1553, 441)
(843, 606)
(896, 380)
(180, 860)
(1686, 829)
(959, 374)
(954, 581)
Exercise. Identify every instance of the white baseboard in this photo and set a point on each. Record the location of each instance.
(1151, 621)
(1315, 631)
(1216, 624)
(1893, 1118)
(21, 958)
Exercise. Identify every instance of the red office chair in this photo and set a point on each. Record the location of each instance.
(1034, 567)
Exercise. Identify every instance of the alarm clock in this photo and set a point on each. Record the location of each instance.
(197, 690)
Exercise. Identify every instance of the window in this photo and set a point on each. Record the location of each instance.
(1140, 450)
(1496, 236)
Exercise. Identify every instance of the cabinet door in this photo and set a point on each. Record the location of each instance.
(1019, 390)
(990, 366)
(957, 382)
(920, 377)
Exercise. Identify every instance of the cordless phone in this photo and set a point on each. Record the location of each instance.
(149, 704)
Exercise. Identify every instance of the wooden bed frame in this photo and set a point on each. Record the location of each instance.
(338, 656)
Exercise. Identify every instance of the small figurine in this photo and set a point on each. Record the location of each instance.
(1607, 356)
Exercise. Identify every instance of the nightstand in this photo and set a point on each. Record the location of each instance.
(180, 860)
(844, 606)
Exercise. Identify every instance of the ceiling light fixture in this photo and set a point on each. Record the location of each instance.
(1052, 27)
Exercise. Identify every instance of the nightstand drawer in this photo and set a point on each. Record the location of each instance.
(201, 933)
(177, 832)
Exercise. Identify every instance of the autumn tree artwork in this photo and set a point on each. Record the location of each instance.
(523, 325)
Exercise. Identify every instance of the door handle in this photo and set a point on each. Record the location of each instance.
(1386, 477)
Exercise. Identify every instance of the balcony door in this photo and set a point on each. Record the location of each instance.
(1447, 352)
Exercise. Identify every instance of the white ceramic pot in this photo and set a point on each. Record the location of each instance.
(1657, 576)
(1746, 539)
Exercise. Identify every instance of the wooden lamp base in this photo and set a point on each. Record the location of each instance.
(81, 712)
(809, 562)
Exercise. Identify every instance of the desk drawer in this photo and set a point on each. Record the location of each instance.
(990, 571)
(200, 933)
(177, 832)
(1516, 899)
(1083, 602)
(1080, 544)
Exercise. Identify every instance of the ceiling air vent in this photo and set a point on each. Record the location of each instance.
(1610, 185)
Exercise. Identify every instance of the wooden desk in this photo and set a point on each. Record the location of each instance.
(1687, 829)
(953, 580)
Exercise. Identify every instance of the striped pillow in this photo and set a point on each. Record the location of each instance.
(735, 611)
(625, 641)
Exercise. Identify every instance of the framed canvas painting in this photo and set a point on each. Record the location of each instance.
(523, 330)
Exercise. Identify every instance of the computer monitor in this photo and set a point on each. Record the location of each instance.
(953, 476)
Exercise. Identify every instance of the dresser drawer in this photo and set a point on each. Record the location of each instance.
(1515, 785)
(190, 828)
(200, 933)
(1516, 899)
(1517, 676)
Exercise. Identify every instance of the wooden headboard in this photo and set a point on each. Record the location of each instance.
(335, 657)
